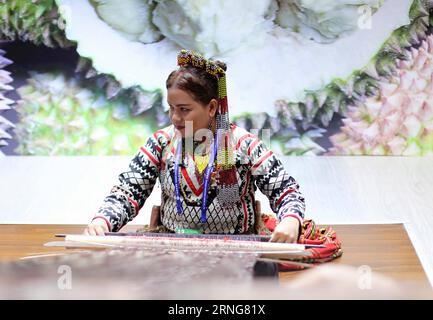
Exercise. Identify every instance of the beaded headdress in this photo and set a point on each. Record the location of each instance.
(228, 189)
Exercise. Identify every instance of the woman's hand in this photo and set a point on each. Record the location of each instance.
(286, 231)
(97, 227)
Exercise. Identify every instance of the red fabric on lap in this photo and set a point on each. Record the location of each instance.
(310, 234)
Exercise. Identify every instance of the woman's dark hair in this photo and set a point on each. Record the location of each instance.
(200, 84)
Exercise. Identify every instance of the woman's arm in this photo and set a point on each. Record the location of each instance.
(282, 190)
(135, 186)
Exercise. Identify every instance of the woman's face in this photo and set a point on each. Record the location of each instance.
(187, 114)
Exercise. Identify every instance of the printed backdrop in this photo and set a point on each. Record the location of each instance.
(329, 77)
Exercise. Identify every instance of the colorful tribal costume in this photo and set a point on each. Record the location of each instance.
(240, 163)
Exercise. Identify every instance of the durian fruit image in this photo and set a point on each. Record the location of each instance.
(309, 61)
(35, 21)
(132, 18)
(399, 120)
(139, 100)
(60, 115)
(302, 124)
(324, 21)
(205, 26)
(5, 104)
(285, 63)
(281, 133)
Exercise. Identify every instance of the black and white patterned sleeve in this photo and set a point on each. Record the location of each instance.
(135, 186)
(273, 181)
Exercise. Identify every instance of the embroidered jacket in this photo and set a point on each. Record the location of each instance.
(257, 166)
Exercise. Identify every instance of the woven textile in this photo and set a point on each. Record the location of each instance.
(310, 234)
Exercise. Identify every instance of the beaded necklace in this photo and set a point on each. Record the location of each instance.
(208, 172)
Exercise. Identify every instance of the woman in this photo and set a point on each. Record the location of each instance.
(209, 168)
